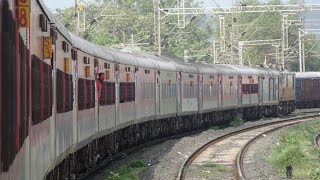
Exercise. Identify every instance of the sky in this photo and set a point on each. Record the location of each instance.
(61, 4)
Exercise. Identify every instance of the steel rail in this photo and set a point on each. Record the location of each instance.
(317, 141)
(240, 174)
(182, 173)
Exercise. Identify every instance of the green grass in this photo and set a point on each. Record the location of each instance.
(215, 128)
(129, 172)
(297, 149)
(237, 121)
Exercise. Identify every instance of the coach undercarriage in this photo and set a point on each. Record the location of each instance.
(115, 143)
(308, 104)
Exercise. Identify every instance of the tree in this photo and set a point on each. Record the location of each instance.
(136, 17)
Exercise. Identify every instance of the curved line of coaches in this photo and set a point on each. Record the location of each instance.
(55, 128)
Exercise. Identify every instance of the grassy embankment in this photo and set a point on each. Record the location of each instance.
(297, 148)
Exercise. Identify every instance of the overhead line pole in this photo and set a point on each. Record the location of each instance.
(77, 16)
(159, 26)
(220, 12)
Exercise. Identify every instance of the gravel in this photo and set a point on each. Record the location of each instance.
(255, 159)
(164, 160)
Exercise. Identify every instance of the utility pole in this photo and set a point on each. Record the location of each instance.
(301, 51)
(181, 14)
(277, 55)
(131, 42)
(255, 43)
(302, 56)
(241, 52)
(185, 56)
(157, 7)
(77, 16)
(231, 43)
(222, 34)
(214, 52)
(285, 39)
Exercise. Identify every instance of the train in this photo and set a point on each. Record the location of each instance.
(54, 126)
(307, 87)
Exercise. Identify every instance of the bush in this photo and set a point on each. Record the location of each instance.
(129, 172)
(137, 164)
(297, 149)
(237, 121)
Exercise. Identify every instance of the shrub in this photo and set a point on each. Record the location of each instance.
(237, 121)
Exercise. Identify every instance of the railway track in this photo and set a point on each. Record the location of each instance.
(317, 141)
(227, 151)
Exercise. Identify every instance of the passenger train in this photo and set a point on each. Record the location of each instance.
(52, 125)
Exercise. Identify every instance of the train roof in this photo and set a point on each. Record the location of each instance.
(305, 75)
(288, 72)
(206, 68)
(104, 53)
(182, 66)
(268, 72)
(162, 64)
(143, 61)
(246, 70)
(53, 20)
(123, 57)
(225, 69)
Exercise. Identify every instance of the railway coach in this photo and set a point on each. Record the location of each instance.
(307, 90)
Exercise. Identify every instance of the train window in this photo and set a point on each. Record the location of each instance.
(191, 76)
(107, 94)
(106, 65)
(107, 74)
(147, 71)
(211, 77)
(65, 46)
(127, 69)
(67, 65)
(86, 60)
(74, 54)
(254, 88)
(43, 23)
(87, 71)
(127, 92)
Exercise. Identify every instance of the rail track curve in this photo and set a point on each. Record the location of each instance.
(238, 172)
